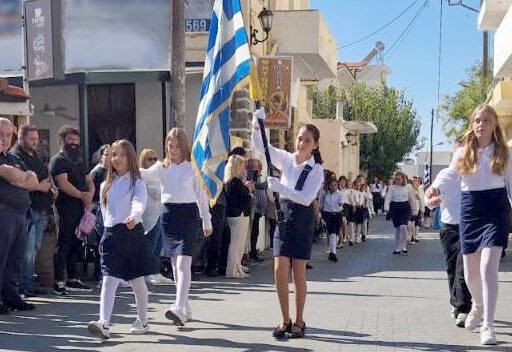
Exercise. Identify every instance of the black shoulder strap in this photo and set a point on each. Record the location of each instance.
(302, 178)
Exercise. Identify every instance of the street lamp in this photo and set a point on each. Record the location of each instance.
(265, 17)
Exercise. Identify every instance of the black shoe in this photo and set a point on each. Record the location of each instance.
(4, 309)
(280, 332)
(503, 254)
(417, 240)
(21, 305)
(363, 238)
(77, 286)
(298, 331)
(404, 252)
(332, 257)
(396, 252)
(350, 243)
(309, 266)
(59, 289)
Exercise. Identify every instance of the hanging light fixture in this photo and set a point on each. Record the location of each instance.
(265, 16)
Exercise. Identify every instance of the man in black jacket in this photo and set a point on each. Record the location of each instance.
(25, 150)
(15, 184)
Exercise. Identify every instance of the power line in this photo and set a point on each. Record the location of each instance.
(407, 30)
(381, 28)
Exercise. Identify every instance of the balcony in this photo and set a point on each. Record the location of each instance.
(502, 97)
(503, 47)
(304, 35)
(492, 13)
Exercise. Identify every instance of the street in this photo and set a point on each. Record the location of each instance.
(369, 301)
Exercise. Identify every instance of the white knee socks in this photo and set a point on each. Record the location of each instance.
(403, 237)
(333, 238)
(181, 266)
(108, 296)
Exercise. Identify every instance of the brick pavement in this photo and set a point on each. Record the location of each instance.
(369, 301)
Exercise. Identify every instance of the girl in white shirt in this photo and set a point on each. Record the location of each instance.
(302, 177)
(483, 162)
(351, 200)
(123, 247)
(184, 205)
(367, 210)
(358, 201)
(342, 185)
(331, 205)
(398, 205)
(415, 221)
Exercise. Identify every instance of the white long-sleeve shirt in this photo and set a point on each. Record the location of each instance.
(123, 201)
(347, 196)
(332, 202)
(358, 198)
(153, 206)
(397, 194)
(448, 183)
(290, 171)
(179, 184)
(484, 178)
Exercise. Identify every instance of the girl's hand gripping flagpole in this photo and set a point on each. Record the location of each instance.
(260, 115)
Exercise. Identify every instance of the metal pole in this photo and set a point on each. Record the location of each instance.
(431, 143)
(24, 72)
(177, 64)
(485, 61)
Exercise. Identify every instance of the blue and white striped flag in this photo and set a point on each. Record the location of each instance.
(226, 69)
(426, 180)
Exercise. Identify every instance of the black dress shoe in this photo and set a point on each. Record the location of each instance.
(4, 309)
(309, 266)
(21, 305)
(332, 257)
(280, 331)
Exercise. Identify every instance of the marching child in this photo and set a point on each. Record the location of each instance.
(331, 204)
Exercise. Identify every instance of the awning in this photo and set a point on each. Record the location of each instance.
(360, 127)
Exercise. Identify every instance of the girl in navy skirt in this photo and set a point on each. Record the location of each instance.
(184, 205)
(398, 205)
(302, 177)
(483, 161)
(123, 247)
(342, 185)
(366, 210)
(331, 204)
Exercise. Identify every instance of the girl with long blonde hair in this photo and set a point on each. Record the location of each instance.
(185, 207)
(238, 209)
(123, 247)
(483, 162)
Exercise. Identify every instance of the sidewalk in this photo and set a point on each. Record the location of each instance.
(369, 301)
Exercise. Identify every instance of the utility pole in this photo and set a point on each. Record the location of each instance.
(485, 56)
(431, 143)
(177, 64)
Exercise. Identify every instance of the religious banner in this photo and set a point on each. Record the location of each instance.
(274, 76)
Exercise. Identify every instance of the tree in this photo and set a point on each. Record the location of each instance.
(455, 109)
(324, 102)
(394, 116)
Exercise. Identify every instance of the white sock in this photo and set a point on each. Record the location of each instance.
(397, 239)
(332, 243)
(107, 297)
(141, 297)
(403, 237)
(473, 278)
(183, 267)
(489, 265)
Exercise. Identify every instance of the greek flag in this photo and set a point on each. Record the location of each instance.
(226, 69)
(426, 180)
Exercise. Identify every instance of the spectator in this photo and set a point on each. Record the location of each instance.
(259, 204)
(76, 191)
(25, 150)
(15, 182)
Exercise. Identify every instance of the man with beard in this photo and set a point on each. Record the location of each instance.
(76, 191)
(25, 150)
(15, 184)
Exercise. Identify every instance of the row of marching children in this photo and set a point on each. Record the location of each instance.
(346, 207)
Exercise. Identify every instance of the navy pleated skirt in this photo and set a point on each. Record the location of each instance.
(125, 253)
(332, 222)
(180, 227)
(400, 213)
(294, 238)
(484, 219)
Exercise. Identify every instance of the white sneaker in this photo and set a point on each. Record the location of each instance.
(474, 318)
(138, 328)
(177, 317)
(452, 313)
(98, 329)
(461, 320)
(187, 311)
(159, 279)
(487, 336)
(246, 269)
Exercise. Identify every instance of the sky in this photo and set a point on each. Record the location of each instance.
(413, 62)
